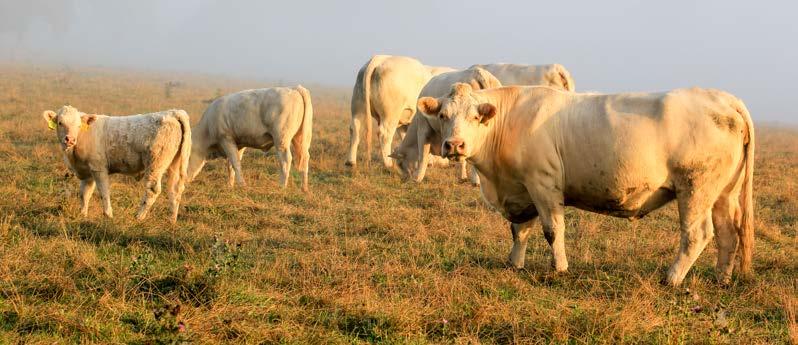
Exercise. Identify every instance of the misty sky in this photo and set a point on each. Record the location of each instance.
(749, 48)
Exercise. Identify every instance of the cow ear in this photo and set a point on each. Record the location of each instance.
(89, 119)
(49, 116)
(486, 112)
(429, 105)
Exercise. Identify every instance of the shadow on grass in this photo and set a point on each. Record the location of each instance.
(105, 231)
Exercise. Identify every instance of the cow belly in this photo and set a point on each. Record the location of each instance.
(626, 202)
(263, 141)
(130, 164)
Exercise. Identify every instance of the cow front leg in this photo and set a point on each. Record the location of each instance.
(86, 190)
(463, 170)
(520, 239)
(423, 163)
(231, 151)
(104, 185)
(552, 217)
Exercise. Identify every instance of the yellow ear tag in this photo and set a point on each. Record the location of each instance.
(84, 126)
(51, 124)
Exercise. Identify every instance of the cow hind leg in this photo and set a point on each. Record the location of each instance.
(354, 140)
(231, 151)
(695, 215)
(231, 172)
(520, 239)
(175, 185)
(474, 176)
(303, 153)
(725, 213)
(285, 158)
(152, 188)
(386, 132)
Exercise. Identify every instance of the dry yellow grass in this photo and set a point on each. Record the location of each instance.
(362, 258)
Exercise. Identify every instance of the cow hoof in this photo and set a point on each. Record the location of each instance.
(724, 280)
(667, 281)
(515, 263)
(350, 164)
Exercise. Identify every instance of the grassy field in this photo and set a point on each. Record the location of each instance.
(362, 258)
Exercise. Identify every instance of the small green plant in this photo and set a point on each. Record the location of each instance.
(224, 257)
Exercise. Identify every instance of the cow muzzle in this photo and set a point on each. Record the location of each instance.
(453, 148)
(69, 141)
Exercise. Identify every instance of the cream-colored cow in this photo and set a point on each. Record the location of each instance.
(538, 149)
(261, 118)
(95, 146)
(554, 75)
(386, 89)
(413, 153)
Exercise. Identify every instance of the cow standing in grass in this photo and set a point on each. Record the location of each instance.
(386, 89)
(538, 149)
(261, 118)
(95, 146)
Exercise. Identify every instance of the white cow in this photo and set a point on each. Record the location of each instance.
(261, 118)
(554, 75)
(95, 146)
(413, 153)
(386, 89)
(538, 149)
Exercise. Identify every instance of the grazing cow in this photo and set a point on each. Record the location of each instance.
(413, 153)
(554, 75)
(538, 149)
(261, 118)
(386, 89)
(97, 145)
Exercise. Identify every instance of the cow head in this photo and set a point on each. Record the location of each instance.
(405, 160)
(464, 120)
(67, 123)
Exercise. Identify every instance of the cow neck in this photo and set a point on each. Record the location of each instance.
(486, 156)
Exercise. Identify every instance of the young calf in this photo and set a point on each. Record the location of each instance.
(260, 118)
(97, 145)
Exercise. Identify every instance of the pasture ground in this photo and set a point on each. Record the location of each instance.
(363, 258)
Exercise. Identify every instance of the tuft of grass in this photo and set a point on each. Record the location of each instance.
(362, 258)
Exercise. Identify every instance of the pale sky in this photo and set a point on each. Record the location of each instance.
(749, 48)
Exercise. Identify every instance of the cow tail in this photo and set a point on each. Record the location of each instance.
(565, 78)
(306, 133)
(745, 232)
(185, 143)
(373, 63)
(485, 79)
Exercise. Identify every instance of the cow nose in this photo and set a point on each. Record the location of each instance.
(69, 140)
(454, 146)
